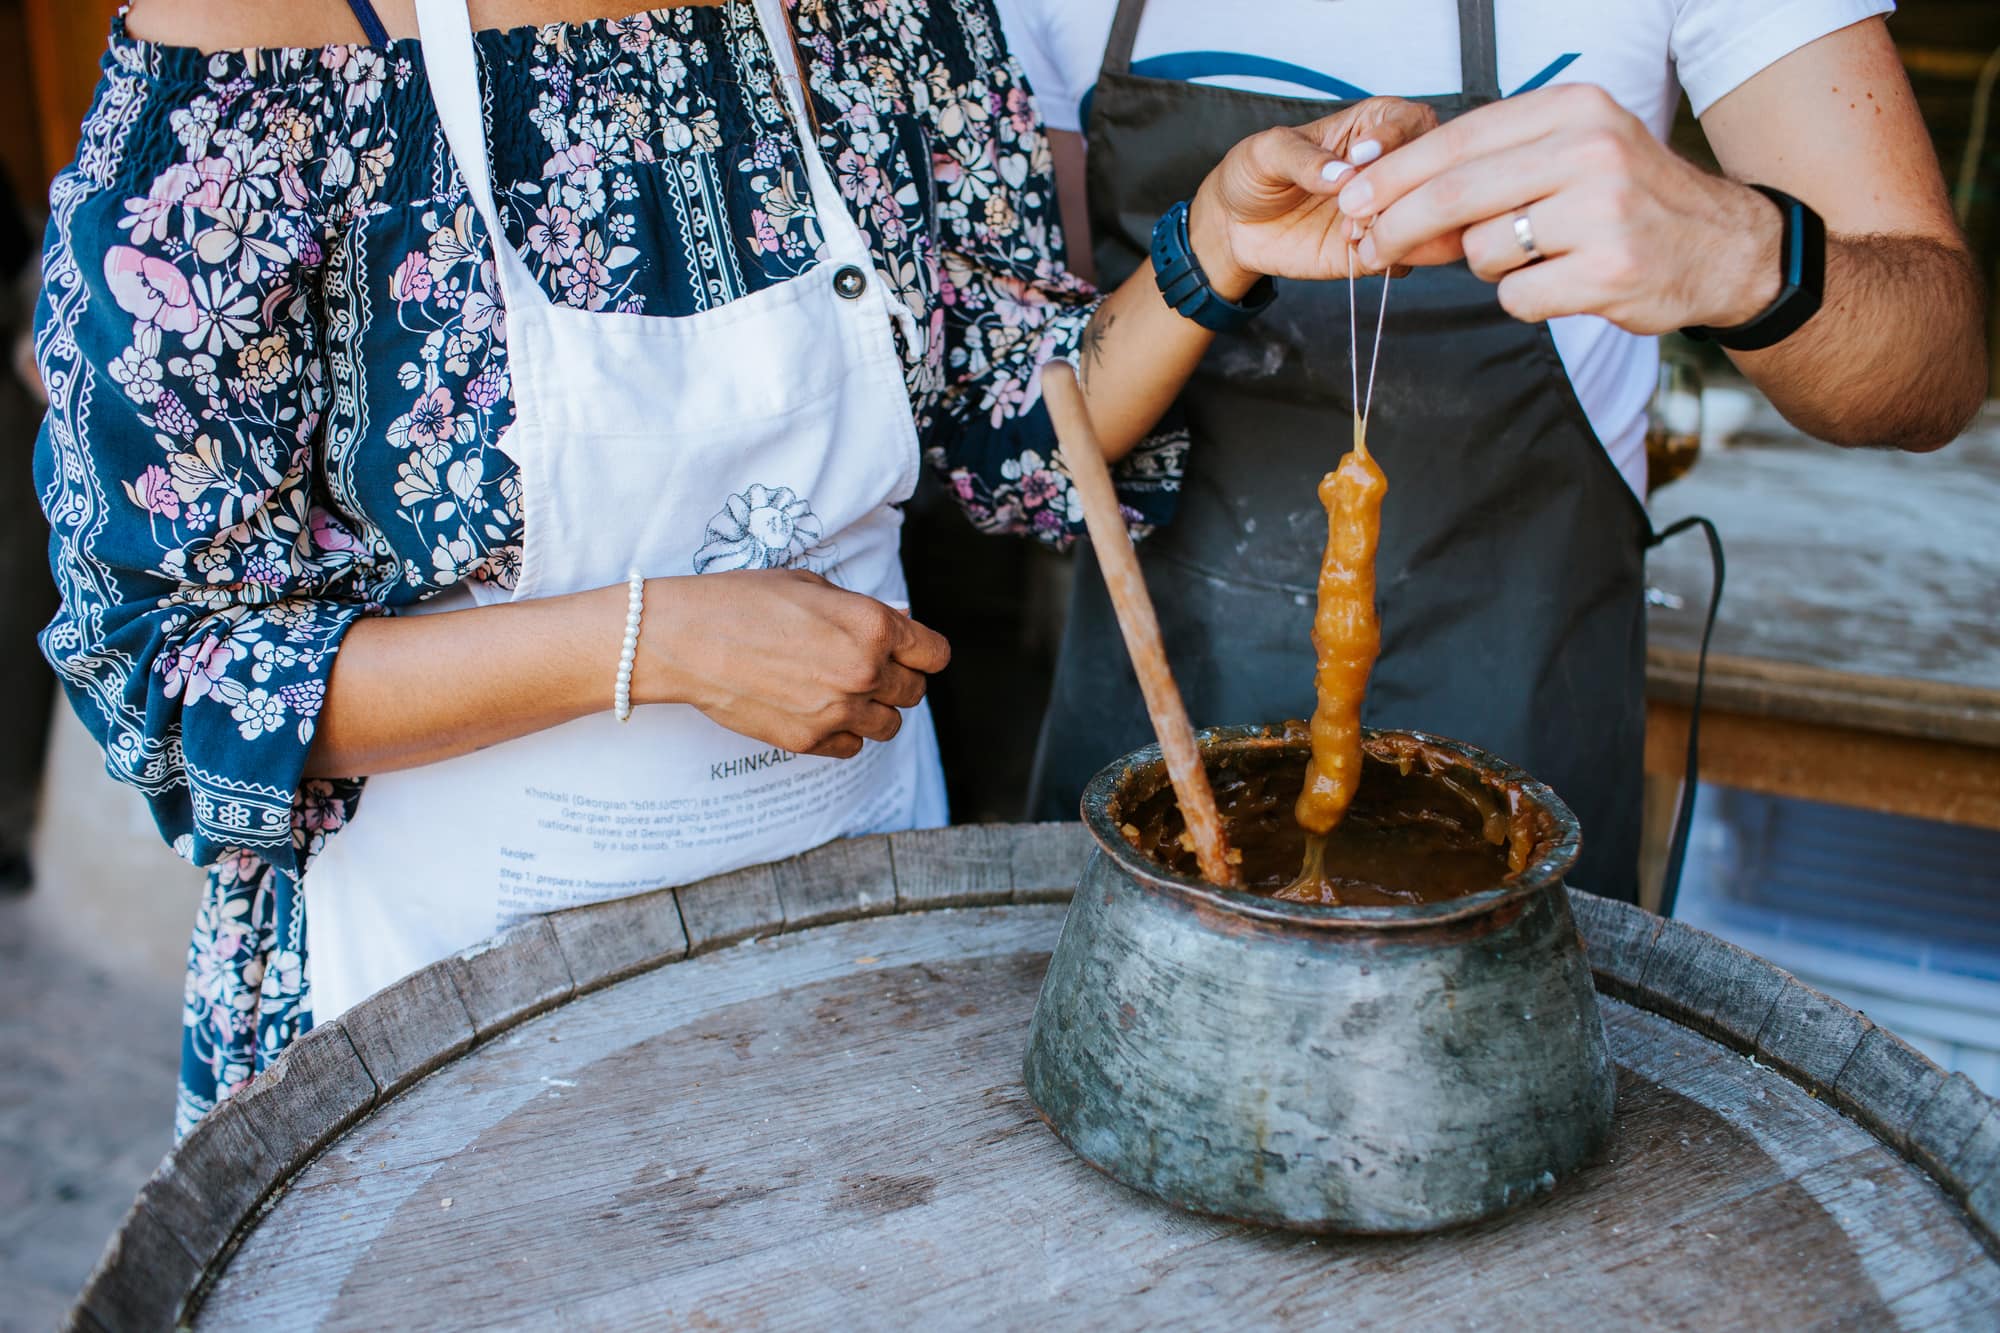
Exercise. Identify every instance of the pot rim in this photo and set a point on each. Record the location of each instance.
(1556, 851)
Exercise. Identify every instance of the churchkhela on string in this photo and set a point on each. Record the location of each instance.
(1347, 633)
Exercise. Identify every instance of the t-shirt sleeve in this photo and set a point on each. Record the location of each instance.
(1720, 44)
(1026, 25)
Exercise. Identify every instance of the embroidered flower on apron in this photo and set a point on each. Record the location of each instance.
(763, 527)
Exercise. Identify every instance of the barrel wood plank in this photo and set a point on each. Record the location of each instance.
(955, 867)
(1885, 1085)
(830, 1119)
(838, 882)
(513, 976)
(316, 1091)
(410, 1027)
(1046, 859)
(731, 908)
(613, 940)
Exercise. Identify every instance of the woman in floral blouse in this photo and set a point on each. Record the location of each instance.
(277, 359)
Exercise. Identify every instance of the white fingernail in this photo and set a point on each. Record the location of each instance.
(1334, 170)
(1365, 152)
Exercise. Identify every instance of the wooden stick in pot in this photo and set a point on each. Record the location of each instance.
(1136, 619)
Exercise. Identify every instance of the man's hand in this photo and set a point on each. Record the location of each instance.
(1627, 229)
(1267, 208)
(1896, 355)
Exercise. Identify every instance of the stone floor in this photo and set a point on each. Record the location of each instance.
(90, 968)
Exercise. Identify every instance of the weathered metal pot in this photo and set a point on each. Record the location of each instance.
(1333, 1069)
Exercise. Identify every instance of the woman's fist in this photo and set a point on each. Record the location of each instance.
(786, 657)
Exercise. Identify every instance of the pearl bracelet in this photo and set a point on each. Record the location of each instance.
(628, 652)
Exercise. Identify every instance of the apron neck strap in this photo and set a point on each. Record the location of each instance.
(1478, 48)
(452, 69)
(1478, 51)
(1124, 32)
(844, 239)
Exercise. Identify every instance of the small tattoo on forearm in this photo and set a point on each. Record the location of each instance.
(1092, 348)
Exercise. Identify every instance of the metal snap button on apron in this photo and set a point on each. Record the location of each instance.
(850, 282)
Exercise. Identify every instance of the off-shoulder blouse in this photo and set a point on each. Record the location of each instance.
(277, 367)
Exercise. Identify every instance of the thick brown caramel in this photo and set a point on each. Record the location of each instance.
(1346, 636)
(1421, 826)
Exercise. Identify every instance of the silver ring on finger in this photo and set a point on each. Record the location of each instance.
(1524, 236)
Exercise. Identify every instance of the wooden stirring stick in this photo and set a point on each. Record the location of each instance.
(1136, 619)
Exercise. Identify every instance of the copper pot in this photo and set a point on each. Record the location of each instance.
(1336, 1069)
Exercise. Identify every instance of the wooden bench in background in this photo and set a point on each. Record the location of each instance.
(1856, 659)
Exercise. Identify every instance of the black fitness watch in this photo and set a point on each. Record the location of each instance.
(1186, 288)
(1801, 282)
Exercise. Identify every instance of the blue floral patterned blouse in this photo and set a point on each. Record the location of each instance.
(277, 368)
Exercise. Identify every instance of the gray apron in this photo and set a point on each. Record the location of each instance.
(1511, 570)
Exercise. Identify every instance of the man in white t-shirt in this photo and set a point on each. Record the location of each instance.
(1510, 412)
(1643, 53)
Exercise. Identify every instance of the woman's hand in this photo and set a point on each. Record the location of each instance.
(779, 655)
(785, 657)
(1267, 209)
(1270, 208)
(1629, 230)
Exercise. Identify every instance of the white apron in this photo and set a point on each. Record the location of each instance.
(772, 431)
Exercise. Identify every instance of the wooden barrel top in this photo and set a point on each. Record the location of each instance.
(607, 1117)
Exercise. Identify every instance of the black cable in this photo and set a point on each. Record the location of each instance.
(1670, 884)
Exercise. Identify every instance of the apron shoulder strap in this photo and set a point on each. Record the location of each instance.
(452, 70)
(451, 66)
(846, 242)
(1124, 32)
(1478, 46)
(1478, 51)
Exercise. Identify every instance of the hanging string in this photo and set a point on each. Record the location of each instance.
(1375, 357)
(1353, 348)
(1362, 404)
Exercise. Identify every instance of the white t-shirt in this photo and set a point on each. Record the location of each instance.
(1643, 52)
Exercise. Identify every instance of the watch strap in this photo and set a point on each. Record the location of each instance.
(1186, 288)
(1801, 282)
